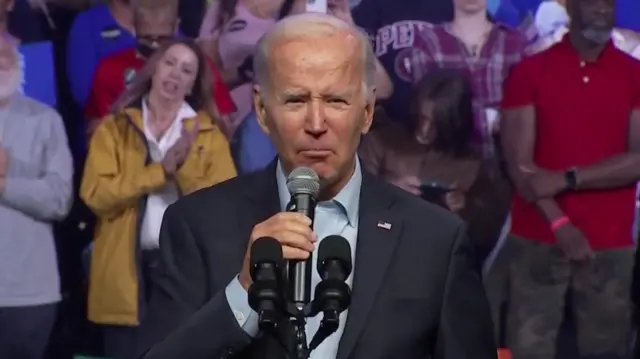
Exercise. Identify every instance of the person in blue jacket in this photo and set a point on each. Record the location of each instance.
(96, 33)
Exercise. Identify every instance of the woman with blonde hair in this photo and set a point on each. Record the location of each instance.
(160, 143)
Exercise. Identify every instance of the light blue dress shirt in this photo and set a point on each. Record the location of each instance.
(337, 216)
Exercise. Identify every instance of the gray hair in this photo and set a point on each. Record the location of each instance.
(310, 25)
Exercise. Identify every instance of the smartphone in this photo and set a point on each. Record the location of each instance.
(317, 6)
(433, 191)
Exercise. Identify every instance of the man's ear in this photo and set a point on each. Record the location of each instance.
(369, 110)
(259, 107)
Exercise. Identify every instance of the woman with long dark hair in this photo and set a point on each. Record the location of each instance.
(434, 157)
(160, 143)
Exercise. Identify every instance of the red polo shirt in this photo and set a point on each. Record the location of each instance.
(114, 73)
(582, 118)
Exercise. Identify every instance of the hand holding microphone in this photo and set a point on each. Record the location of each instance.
(294, 233)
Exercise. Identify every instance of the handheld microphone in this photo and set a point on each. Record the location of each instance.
(265, 292)
(303, 185)
(333, 294)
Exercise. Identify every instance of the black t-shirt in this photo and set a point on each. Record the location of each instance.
(27, 24)
(191, 14)
(392, 25)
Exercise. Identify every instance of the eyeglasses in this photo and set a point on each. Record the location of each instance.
(153, 40)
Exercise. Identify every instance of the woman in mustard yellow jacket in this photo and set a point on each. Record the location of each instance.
(161, 142)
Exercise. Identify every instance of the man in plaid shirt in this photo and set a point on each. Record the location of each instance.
(472, 43)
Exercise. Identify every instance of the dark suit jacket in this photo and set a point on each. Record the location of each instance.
(417, 290)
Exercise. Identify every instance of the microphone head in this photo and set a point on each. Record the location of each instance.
(265, 250)
(337, 248)
(303, 180)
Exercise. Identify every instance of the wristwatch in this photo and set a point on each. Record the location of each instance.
(571, 178)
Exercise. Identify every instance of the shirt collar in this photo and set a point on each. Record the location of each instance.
(185, 111)
(607, 53)
(348, 199)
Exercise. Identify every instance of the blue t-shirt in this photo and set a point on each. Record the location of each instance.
(252, 148)
(94, 35)
(393, 25)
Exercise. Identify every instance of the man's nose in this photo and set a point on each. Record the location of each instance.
(316, 123)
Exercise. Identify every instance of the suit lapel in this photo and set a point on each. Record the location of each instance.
(262, 193)
(378, 233)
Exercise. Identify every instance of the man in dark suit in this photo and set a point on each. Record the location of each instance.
(417, 291)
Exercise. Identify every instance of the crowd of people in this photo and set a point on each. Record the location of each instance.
(529, 133)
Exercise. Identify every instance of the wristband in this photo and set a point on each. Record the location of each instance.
(557, 223)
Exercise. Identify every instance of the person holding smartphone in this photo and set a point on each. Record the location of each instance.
(434, 156)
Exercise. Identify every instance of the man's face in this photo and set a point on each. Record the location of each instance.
(594, 18)
(315, 106)
(470, 6)
(151, 30)
(10, 73)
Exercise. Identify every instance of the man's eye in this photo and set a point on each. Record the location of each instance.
(295, 101)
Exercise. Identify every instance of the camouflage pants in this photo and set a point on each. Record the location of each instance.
(539, 279)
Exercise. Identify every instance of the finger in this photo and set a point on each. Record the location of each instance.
(272, 222)
(413, 181)
(195, 130)
(295, 240)
(293, 216)
(526, 169)
(415, 191)
(294, 253)
(295, 226)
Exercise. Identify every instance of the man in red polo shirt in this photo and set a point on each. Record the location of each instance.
(571, 137)
(154, 22)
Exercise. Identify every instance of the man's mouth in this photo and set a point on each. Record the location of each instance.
(316, 153)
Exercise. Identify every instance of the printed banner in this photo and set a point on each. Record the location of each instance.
(39, 80)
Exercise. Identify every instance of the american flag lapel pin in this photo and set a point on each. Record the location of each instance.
(384, 225)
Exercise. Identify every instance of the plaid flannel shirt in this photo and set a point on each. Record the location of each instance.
(438, 47)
